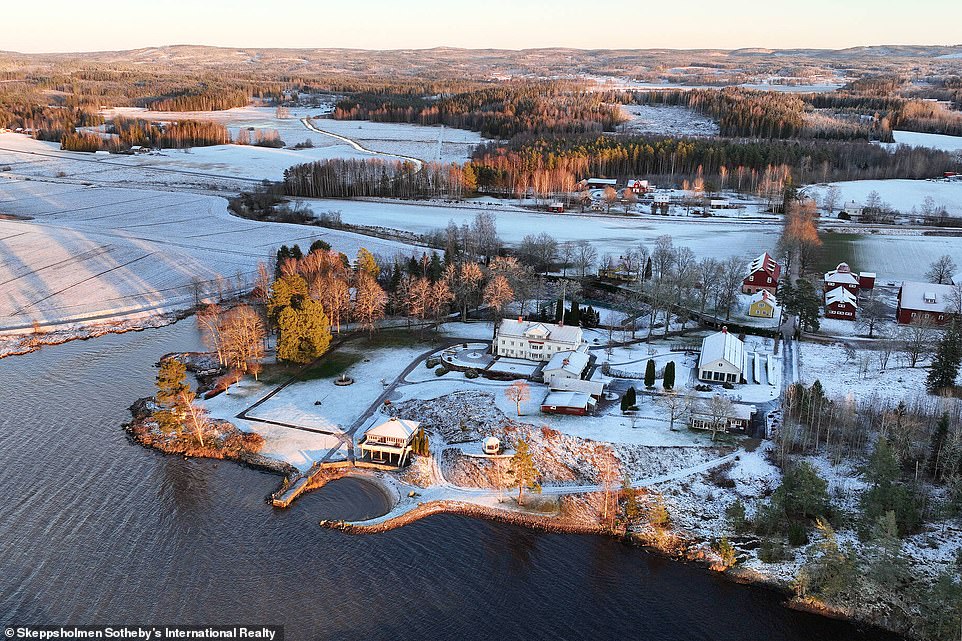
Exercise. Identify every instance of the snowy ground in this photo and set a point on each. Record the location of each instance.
(859, 372)
(91, 253)
(903, 195)
(436, 143)
(320, 404)
(427, 143)
(610, 234)
(933, 141)
(668, 121)
(297, 447)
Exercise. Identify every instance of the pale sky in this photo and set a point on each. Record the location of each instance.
(66, 25)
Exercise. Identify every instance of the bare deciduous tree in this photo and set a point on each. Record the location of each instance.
(517, 392)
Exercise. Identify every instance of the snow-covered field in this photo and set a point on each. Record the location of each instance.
(197, 165)
(668, 121)
(903, 195)
(933, 141)
(88, 253)
(610, 234)
(427, 143)
(437, 143)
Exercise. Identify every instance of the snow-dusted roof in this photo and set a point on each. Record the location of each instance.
(571, 362)
(765, 263)
(739, 411)
(764, 295)
(395, 427)
(841, 274)
(527, 329)
(603, 181)
(568, 399)
(722, 345)
(841, 296)
(924, 297)
(866, 274)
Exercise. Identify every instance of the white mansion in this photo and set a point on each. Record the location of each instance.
(536, 341)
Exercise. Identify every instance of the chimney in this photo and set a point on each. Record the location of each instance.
(520, 320)
(724, 329)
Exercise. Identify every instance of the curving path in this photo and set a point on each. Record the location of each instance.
(358, 146)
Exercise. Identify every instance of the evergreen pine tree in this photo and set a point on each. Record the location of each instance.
(945, 365)
(631, 509)
(628, 399)
(296, 252)
(435, 268)
(559, 311)
(886, 492)
(669, 381)
(650, 374)
(573, 317)
(523, 469)
(367, 263)
(648, 269)
(319, 245)
(414, 267)
(304, 331)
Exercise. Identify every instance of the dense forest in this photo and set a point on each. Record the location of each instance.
(207, 100)
(500, 111)
(545, 166)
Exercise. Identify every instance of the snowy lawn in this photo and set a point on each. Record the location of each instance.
(297, 447)
(842, 374)
(320, 404)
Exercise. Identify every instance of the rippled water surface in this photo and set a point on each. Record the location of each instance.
(95, 529)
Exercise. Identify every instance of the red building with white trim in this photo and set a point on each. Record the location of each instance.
(841, 303)
(763, 275)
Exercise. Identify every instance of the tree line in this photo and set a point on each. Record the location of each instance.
(502, 111)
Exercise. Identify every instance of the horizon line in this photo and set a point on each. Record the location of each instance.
(482, 49)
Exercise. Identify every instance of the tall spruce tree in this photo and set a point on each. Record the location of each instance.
(669, 381)
(650, 374)
(945, 365)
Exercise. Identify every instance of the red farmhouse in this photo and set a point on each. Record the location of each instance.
(841, 303)
(763, 275)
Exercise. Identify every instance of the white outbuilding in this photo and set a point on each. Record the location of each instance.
(722, 358)
(390, 441)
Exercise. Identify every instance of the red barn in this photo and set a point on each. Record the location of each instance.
(575, 403)
(918, 301)
(841, 276)
(841, 303)
(763, 275)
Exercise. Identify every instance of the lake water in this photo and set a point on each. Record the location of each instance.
(96, 529)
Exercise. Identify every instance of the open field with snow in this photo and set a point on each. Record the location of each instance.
(893, 256)
(610, 234)
(668, 121)
(88, 253)
(427, 143)
(197, 166)
(435, 143)
(903, 195)
(859, 372)
(932, 141)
